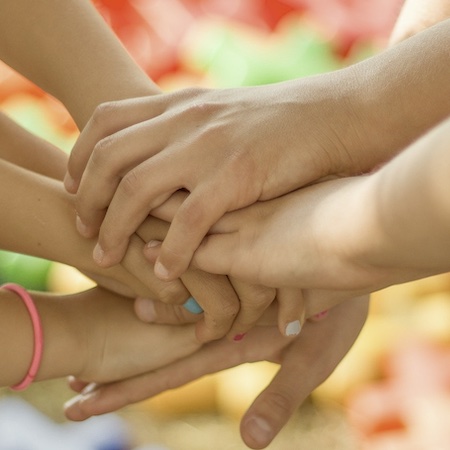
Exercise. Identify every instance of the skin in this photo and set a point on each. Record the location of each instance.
(299, 374)
(93, 335)
(305, 362)
(394, 228)
(229, 150)
(83, 52)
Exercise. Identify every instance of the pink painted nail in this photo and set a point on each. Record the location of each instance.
(321, 315)
(239, 337)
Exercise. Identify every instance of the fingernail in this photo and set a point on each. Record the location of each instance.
(98, 254)
(239, 337)
(293, 328)
(260, 430)
(192, 306)
(161, 272)
(82, 398)
(321, 315)
(152, 244)
(81, 227)
(70, 184)
(145, 309)
(91, 387)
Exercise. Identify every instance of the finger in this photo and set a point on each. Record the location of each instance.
(75, 384)
(307, 362)
(227, 246)
(152, 311)
(291, 307)
(254, 301)
(211, 358)
(107, 119)
(142, 189)
(173, 292)
(108, 164)
(217, 298)
(201, 209)
(167, 210)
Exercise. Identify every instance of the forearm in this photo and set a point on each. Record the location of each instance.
(26, 150)
(407, 209)
(40, 218)
(66, 48)
(417, 15)
(403, 92)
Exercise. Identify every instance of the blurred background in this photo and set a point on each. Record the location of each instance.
(393, 389)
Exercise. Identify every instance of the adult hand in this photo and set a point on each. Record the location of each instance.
(305, 362)
(228, 148)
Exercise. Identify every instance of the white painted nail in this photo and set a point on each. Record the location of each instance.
(293, 328)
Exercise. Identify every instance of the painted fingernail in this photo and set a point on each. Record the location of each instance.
(91, 387)
(161, 272)
(321, 315)
(82, 398)
(260, 430)
(192, 306)
(145, 309)
(239, 337)
(98, 254)
(293, 328)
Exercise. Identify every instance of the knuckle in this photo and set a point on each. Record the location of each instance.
(103, 112)
(170, 294)
(193, 214)
(228, 311)
(262, 297)
(281, 401)
(101, 150)
(131, 184)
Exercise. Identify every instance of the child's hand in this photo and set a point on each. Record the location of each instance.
(231, 307)
(305, 363)
(118, 345)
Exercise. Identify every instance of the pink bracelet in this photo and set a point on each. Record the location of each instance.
(37, 331)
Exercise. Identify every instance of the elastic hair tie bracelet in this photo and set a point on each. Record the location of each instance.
(37, 333)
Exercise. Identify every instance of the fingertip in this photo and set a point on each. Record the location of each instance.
(256, 432)
(163, 273)
(105, 258)
(70, 184)
(145, 309)
(85, 230)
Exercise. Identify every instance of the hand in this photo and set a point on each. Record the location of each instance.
(118, 345)
(313, 238)
(305, 363)
(231, 307)
(228, 148)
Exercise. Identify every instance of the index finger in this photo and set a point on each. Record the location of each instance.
(108, 118)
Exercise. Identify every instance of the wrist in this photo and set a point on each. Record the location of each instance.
(64, 336)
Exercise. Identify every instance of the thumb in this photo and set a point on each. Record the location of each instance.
(273, 408)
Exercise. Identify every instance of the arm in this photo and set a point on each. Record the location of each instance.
(83, 64)
(232, 147)
(67, 49)
(93, 335)
(30, 152)
(416, 16)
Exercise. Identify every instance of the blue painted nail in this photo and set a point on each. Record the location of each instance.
(192, 306)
